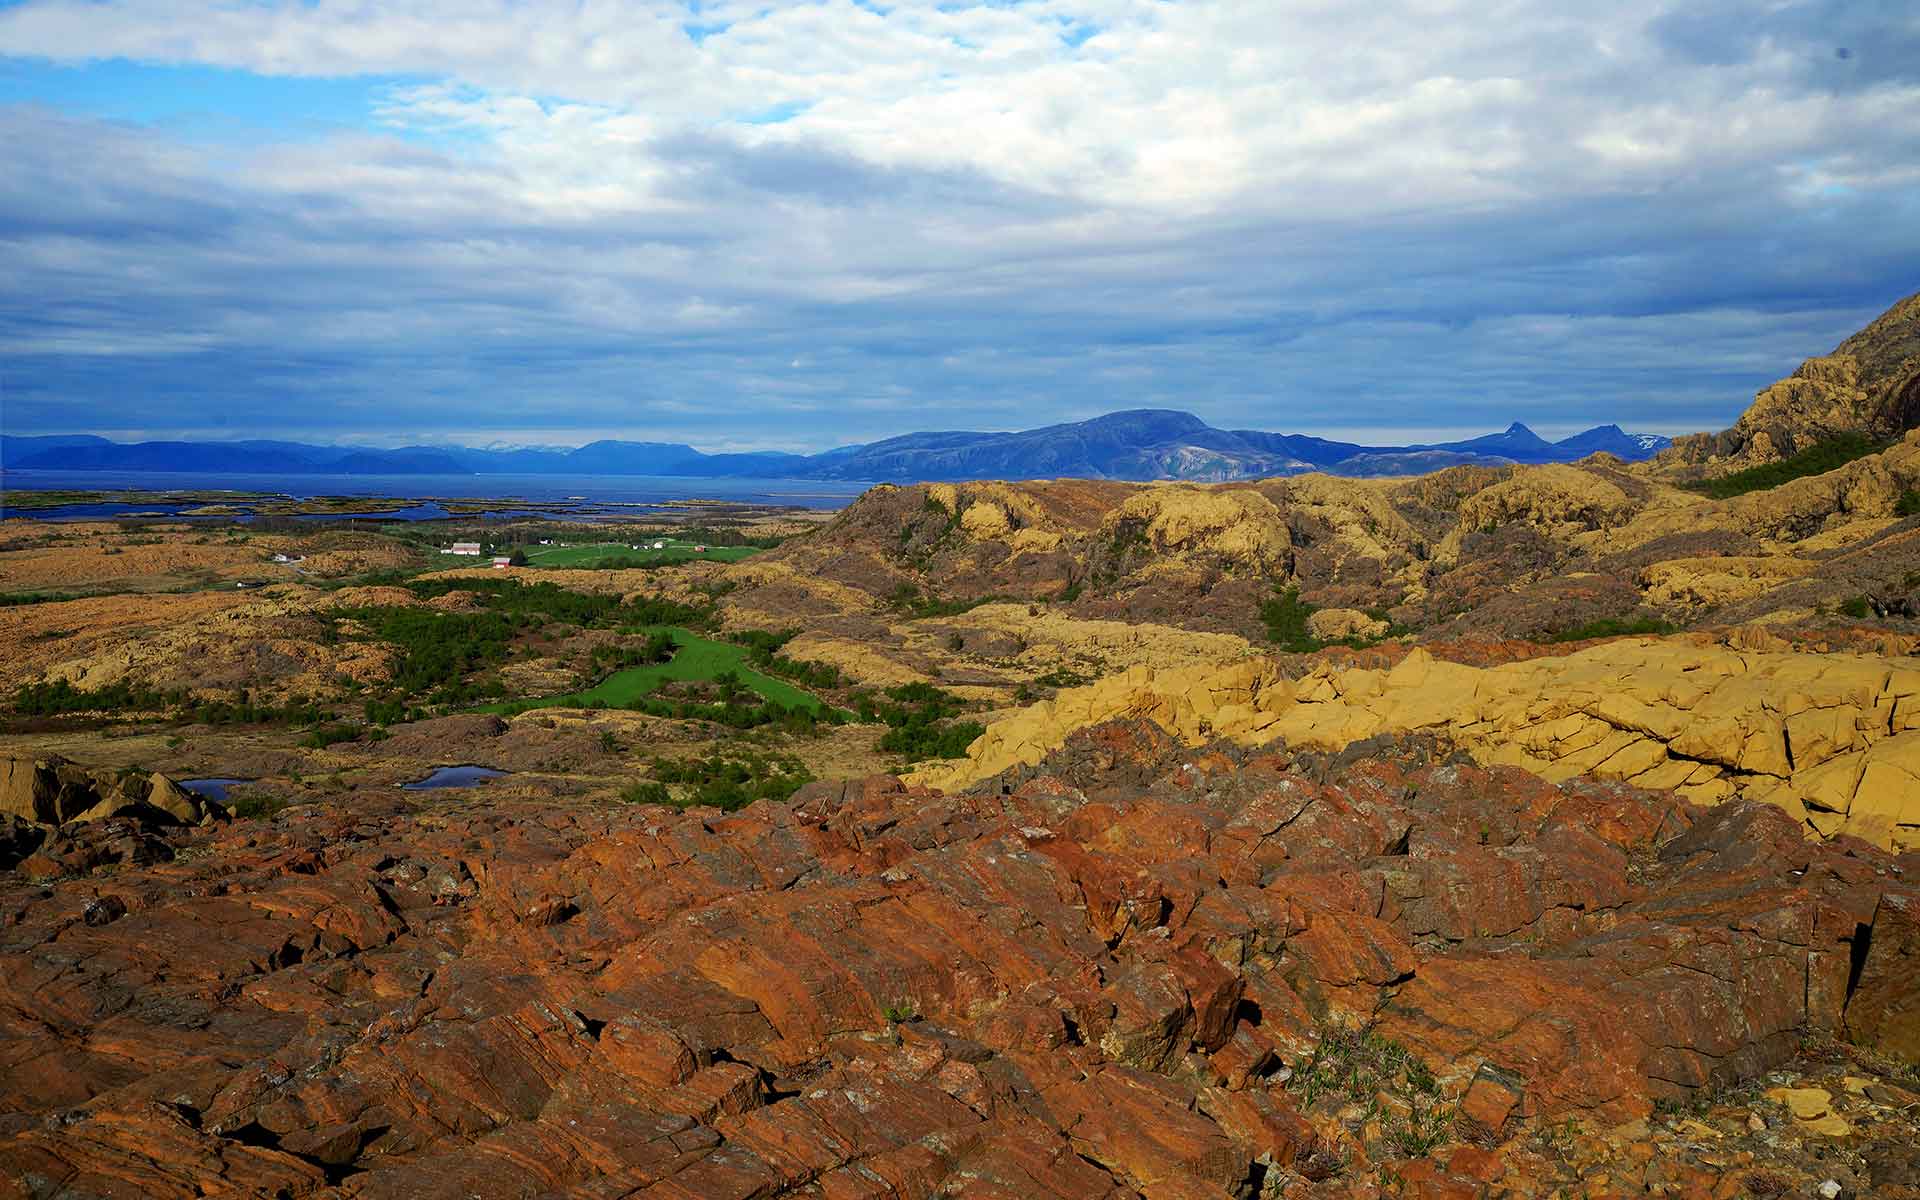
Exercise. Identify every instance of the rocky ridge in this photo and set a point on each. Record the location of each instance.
(1869, 385)
(1524, 552)
(1833, 739)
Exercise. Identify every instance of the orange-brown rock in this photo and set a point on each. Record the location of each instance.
(1101, 982)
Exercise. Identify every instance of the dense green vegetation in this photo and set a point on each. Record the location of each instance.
(603, 556)
(658, 648)
(16, 598)
(1908, 504)
(1286, 616)
(1857, 607)
(1607, 627)
(918, 717)
(326, 735)
(763, 651)
(439, 650)
(1817, 459)
(555, 603)
(723, 780)
(61, 698)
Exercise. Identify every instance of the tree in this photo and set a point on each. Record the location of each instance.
(518, 558)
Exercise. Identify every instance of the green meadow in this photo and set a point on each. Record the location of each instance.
(598, 552)
(698, 660)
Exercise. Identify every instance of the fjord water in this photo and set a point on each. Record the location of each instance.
(535, 490)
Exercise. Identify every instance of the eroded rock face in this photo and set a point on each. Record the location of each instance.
(875, 991)
(1833, 739)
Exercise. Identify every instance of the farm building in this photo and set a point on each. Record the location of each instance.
(501, 562)
(470, 548)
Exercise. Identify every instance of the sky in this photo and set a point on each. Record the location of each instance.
(799, 225)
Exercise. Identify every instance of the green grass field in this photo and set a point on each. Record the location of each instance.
(675, 552)
(698, 660)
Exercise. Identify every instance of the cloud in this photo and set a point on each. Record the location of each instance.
(1303, 216)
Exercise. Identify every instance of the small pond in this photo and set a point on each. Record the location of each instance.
(453, 777)
(211, 789)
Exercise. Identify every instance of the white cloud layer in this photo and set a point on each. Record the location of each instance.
(1414, 214)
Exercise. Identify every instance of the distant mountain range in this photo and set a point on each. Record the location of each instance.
(1141, 444)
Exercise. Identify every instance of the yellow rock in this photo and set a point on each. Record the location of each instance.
(1818, 734)
(1806, 1104)
(1831, 1125)
(1831, 785)
(1689, 713)
(1238, 523)
(1338, 624)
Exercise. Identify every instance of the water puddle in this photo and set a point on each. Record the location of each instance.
(453, 777)
(210, 789)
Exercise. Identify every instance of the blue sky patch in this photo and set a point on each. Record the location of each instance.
(196, 101)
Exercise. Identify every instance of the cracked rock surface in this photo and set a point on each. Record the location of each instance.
(1125, 972)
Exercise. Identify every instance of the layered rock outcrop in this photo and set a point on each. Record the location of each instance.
(1833, 739)
(1106, 983)
(51, 791)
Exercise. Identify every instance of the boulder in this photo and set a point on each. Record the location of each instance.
(1339, 624)
(52, 791)
(1883, 1012)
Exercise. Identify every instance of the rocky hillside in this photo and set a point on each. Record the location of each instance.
(1508, 552)
(1869, 385)
(1141, 972)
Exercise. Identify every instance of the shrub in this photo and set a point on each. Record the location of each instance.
(326, 735)
(59, 696)
(731, 781)
(906, 598)
(254, 805)
(1360, 1066)
(1909, 503)
(1857, 607)
(1286, 616)
(646, 792)
(439, 650)
(917, 716)
(1614, 627)
(1817, 459)
(15, 598)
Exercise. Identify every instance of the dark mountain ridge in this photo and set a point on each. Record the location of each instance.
(1137, 444)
